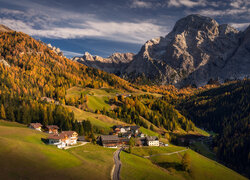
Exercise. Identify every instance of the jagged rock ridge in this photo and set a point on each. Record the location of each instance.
(116, 63)
(196, 50)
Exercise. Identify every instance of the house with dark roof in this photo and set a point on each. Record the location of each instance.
(109, 141)
(36, 126)
(127, 134)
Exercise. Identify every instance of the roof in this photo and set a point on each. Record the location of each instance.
(152, 138)
(69, 133)
(36, 125)
(57, 136)
(117, 126)
(109, 138)
(134, 127)
(127, 133)
(52, 127)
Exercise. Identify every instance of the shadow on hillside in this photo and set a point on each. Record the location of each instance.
(45, 141)
(176, 166)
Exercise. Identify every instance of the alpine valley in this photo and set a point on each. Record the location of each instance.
(125, 116)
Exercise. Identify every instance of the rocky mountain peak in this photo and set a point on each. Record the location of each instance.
(87, 56)
(196, 50)
(195, 22)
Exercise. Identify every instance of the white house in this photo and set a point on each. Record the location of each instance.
(152, 141)
(72, 137)
(58, 140)
(63, 139)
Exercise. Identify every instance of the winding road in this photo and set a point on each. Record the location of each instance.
(115, 175)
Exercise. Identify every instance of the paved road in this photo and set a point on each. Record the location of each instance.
(166, 153)
(118, 164)
(81, 144)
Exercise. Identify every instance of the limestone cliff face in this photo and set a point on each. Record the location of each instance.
(196, 50)
(192, 53)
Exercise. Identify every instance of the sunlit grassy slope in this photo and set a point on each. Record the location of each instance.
(24, 156)
(201, 167)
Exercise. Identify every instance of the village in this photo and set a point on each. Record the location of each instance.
(122, 134)
(119, 137)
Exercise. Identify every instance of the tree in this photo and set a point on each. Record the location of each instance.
(186, 162)
(2, 113)
(131, 144)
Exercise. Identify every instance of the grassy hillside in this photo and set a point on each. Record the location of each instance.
(134, 167)
(201, 167)
(103, 122)
(23, 147)
(225, 111)
(24, 156)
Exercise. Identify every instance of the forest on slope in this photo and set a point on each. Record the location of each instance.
(30, 71)
(226, 111)
(34, 72)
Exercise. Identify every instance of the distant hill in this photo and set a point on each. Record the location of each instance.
(196, 50)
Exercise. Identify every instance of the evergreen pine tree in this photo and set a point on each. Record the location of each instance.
(2, 113)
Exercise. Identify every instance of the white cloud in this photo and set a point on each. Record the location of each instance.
(140, 4)
(226, 12)
(124, 32)
(70, 53)
(240, 26)
(186, 3)
(242, 4)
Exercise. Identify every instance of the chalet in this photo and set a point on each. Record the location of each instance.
(51, 129)
(152, 141)
(36, 126)
(109, 141)
(63, 139)
(72, 137)
(58, 140)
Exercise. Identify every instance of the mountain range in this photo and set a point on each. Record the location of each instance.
(196, 50)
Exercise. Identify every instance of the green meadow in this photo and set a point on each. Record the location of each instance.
(24, 156)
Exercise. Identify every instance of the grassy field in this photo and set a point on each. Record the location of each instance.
(203, 149)
(98, 120)
(148, 132)
(103, 121)
(201, 167)
(97, 98)
(147, 151)
(24, 156)
(134, 167)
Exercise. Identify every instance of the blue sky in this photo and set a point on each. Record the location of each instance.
(103, 27)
